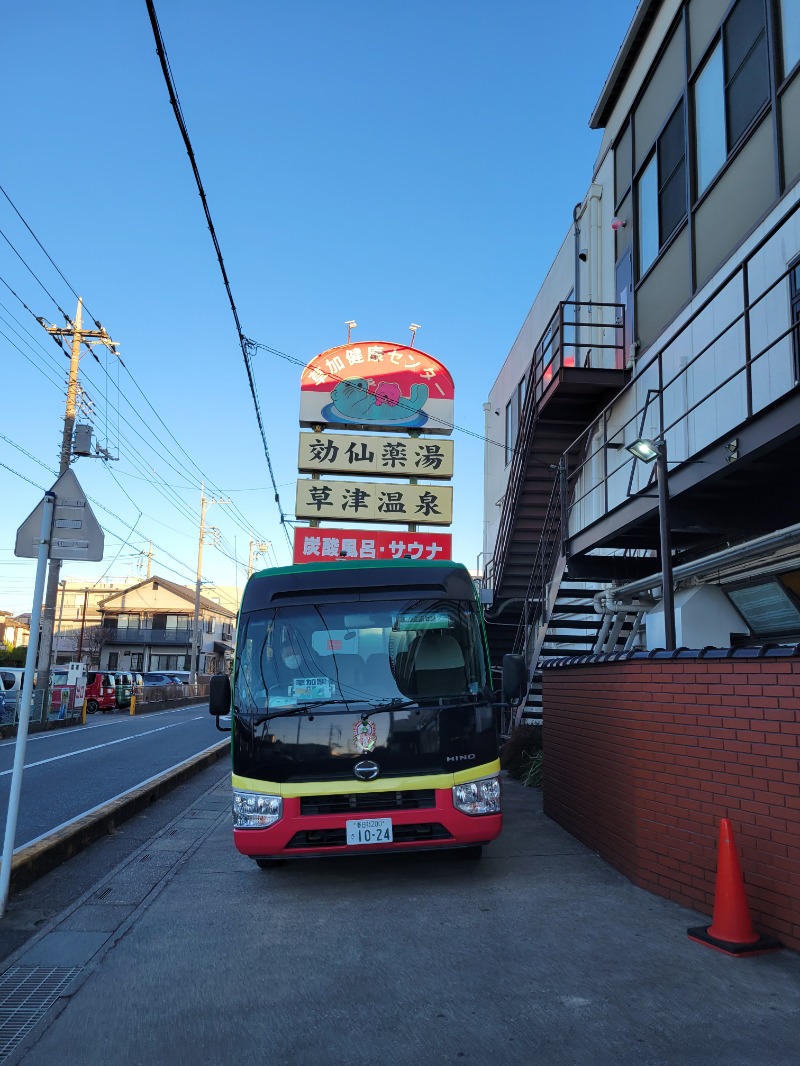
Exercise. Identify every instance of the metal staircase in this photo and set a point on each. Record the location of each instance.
(559, 616)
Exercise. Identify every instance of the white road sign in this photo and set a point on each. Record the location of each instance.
(76, 533)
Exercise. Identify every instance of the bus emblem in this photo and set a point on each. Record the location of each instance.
(365, 736)
(367, 770)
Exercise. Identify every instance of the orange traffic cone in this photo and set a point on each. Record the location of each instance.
(731, 929)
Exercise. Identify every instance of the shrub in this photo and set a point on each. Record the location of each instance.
(520, 749)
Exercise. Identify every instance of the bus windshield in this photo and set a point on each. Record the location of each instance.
(347, 652)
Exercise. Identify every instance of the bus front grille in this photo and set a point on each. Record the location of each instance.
(411, 799)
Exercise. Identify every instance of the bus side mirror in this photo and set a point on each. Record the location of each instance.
(515, 677)
(219, 695)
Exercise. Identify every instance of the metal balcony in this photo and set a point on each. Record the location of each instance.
(147, 635)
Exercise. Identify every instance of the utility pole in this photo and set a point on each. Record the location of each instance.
(258, 547)
(83, 625)
(196, 644)
(79, 336)
(149, 560)
(196, 623)
(57, 639)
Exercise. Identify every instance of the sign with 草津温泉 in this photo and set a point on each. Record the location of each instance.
(366, 501)
(329, 545)
(351, 453)
(377, 385)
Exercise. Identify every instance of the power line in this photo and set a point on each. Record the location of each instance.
(243, 343)
(405, 406)
(241, 518)
(35, 276)
(88, 497)
(58, 385)
(28, 228)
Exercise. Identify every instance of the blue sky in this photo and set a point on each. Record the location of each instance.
(386, 162)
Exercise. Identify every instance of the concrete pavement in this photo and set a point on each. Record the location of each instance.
(540, 953)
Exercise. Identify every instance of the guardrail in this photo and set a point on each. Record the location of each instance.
(46, 715)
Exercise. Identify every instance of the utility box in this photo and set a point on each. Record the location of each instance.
(82, 441)
(704, 617)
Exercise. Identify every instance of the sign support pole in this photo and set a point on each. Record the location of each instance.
(25, 700)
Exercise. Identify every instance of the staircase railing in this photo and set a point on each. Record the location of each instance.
(548, 552)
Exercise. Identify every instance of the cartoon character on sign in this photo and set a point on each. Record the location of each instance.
(365, 735)
(353, 400)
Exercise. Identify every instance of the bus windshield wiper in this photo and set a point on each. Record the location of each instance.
(419, 702)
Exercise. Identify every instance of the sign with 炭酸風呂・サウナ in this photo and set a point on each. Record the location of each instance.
(367, 501)
(377, 456)
(337, 545)
(377, 385)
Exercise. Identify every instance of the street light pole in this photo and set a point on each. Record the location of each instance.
(667, 596)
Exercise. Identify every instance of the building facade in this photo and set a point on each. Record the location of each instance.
(660, 600)
(78, 630)
(14, 630)
(670, 313)
(150, 627)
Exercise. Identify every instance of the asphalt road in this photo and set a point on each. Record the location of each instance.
(70, 771)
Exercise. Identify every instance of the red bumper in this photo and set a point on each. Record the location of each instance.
(297, 835)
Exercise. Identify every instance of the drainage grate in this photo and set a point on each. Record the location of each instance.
(104, 892)
(26, 994)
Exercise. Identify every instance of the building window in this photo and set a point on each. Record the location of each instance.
(511, 429)
(790, 34)
(731, 89)
(113, 660)
(794, 295)
(137, 661)
(662, 190)
(513, 415)
(209, 625)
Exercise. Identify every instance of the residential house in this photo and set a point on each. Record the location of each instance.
(150, 627)
(77, 635)
(14, 629)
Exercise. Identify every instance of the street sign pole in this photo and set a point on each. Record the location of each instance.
(25, 700)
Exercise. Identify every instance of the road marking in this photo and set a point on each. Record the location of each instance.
(120, 795)
(108, 744)
(59, 734)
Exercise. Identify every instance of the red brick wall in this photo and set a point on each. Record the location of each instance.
(642, 757)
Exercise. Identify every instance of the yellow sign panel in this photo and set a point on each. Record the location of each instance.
(365, 501)
(375, 456)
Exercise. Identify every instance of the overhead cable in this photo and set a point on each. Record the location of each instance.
(243, 343)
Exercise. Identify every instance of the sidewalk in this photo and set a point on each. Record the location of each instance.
(540, 953)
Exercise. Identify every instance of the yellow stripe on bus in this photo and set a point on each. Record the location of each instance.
(381, 784)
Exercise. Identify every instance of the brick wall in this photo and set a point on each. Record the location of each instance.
(643, 756)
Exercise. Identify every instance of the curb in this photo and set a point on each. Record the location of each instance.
(45, 854)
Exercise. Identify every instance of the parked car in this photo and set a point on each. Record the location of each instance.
(152, 678)
(124, 689)
(101, 692)
(182, 676)
(12, 679)
(6, 710)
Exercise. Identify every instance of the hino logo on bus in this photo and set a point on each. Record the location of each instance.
(460, 758)
(366, 770)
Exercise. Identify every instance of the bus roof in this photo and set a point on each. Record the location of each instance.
(434, 578)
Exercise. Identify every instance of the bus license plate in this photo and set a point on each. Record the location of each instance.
(369, 830)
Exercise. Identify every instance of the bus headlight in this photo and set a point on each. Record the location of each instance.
(254, 810)
(479, 797)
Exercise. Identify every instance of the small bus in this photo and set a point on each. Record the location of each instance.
(362, 713)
